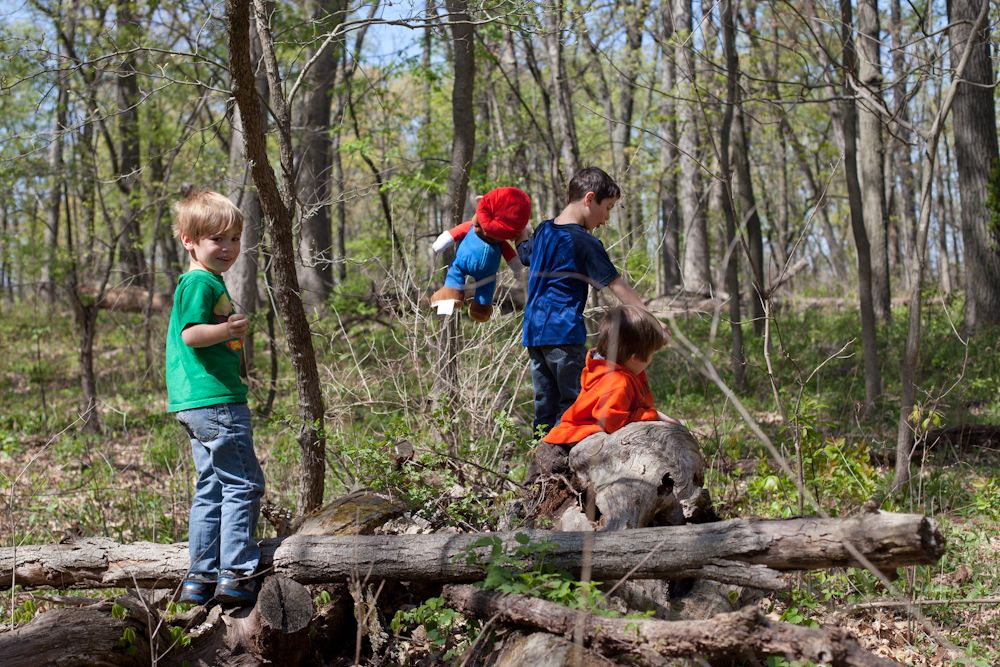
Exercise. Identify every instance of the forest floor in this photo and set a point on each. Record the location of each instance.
(132, 481)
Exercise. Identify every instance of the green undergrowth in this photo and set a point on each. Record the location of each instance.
(456, 458)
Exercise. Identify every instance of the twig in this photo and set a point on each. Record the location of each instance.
(876, 604)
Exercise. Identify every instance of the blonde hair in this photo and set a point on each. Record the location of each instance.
(204, 213)
(629, 331)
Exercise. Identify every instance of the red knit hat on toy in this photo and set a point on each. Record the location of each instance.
(503, 212)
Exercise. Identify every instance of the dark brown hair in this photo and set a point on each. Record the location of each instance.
(629, 331)
(592, 179)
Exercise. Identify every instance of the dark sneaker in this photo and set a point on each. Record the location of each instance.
(196, 591)
(237, 589)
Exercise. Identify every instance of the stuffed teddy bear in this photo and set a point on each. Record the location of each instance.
(501, 215)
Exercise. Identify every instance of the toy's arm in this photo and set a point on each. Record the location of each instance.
(449, 238)
(513, 261)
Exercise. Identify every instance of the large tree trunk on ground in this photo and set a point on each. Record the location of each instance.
(646, 474)
(273, 631)
(721, 551)
(735, 636)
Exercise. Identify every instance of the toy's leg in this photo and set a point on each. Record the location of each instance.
(452, 292)
(481, 307)
(446, 294)
(480, 312)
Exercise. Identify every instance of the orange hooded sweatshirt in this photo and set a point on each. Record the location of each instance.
(611, 396)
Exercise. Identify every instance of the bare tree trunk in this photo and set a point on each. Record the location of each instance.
(129, 166)
(917, 260)
(445, 390)
(871, 154)
(901, 164)
(314, 157)
(946, 211)
(565, 123)
(669, 211)
(696, 272)
(745, 212)
(732, 251)
(976, 151)
(57, 187)
(278, 206)
(873, 376)
(241, 279)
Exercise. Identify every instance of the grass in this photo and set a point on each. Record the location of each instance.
(133, 481)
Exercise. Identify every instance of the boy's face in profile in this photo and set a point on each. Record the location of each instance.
(215, 253)
(598, 212)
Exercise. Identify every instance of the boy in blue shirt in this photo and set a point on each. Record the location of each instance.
(564, 259)
(205, 390)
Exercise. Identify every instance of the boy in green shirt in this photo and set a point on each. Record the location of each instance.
(205, 390)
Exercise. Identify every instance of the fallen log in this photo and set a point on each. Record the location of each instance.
(733, 636)
(272, 631)
(75, 637)
(722, 551)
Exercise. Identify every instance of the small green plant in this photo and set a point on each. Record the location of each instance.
(179, 636)
(25, 611)
(523, 570)
(127, 640)
(322, 599)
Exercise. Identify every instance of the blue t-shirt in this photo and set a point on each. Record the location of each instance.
(563, 261)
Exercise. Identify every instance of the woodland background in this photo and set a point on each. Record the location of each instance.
(835, 164)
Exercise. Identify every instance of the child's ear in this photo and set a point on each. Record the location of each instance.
(187, 241)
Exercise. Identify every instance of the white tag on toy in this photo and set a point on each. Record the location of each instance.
(446, 307)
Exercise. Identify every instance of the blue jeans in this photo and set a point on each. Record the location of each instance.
(555, 374)
(227, 495)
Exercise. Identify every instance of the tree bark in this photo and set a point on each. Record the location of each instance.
(277, 206)
(696, 267)
(273, 631)
(669, 168)
(315, 158)
(241, 279)
(728, 132)
(917, 262)
(565, 122)
(737, 636)
(721, 551)
(129, 166)
(976, 151)
(871, 154)
(445, 390)
(869, 343)
(900, 166)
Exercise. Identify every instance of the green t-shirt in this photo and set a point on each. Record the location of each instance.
(202, 376)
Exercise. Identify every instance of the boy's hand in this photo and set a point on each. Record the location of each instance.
(525, 234)
(238, 325)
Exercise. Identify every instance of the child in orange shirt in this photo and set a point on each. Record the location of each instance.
(614, 387)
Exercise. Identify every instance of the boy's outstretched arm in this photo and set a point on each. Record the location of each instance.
(628, 296)
(626, 293)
